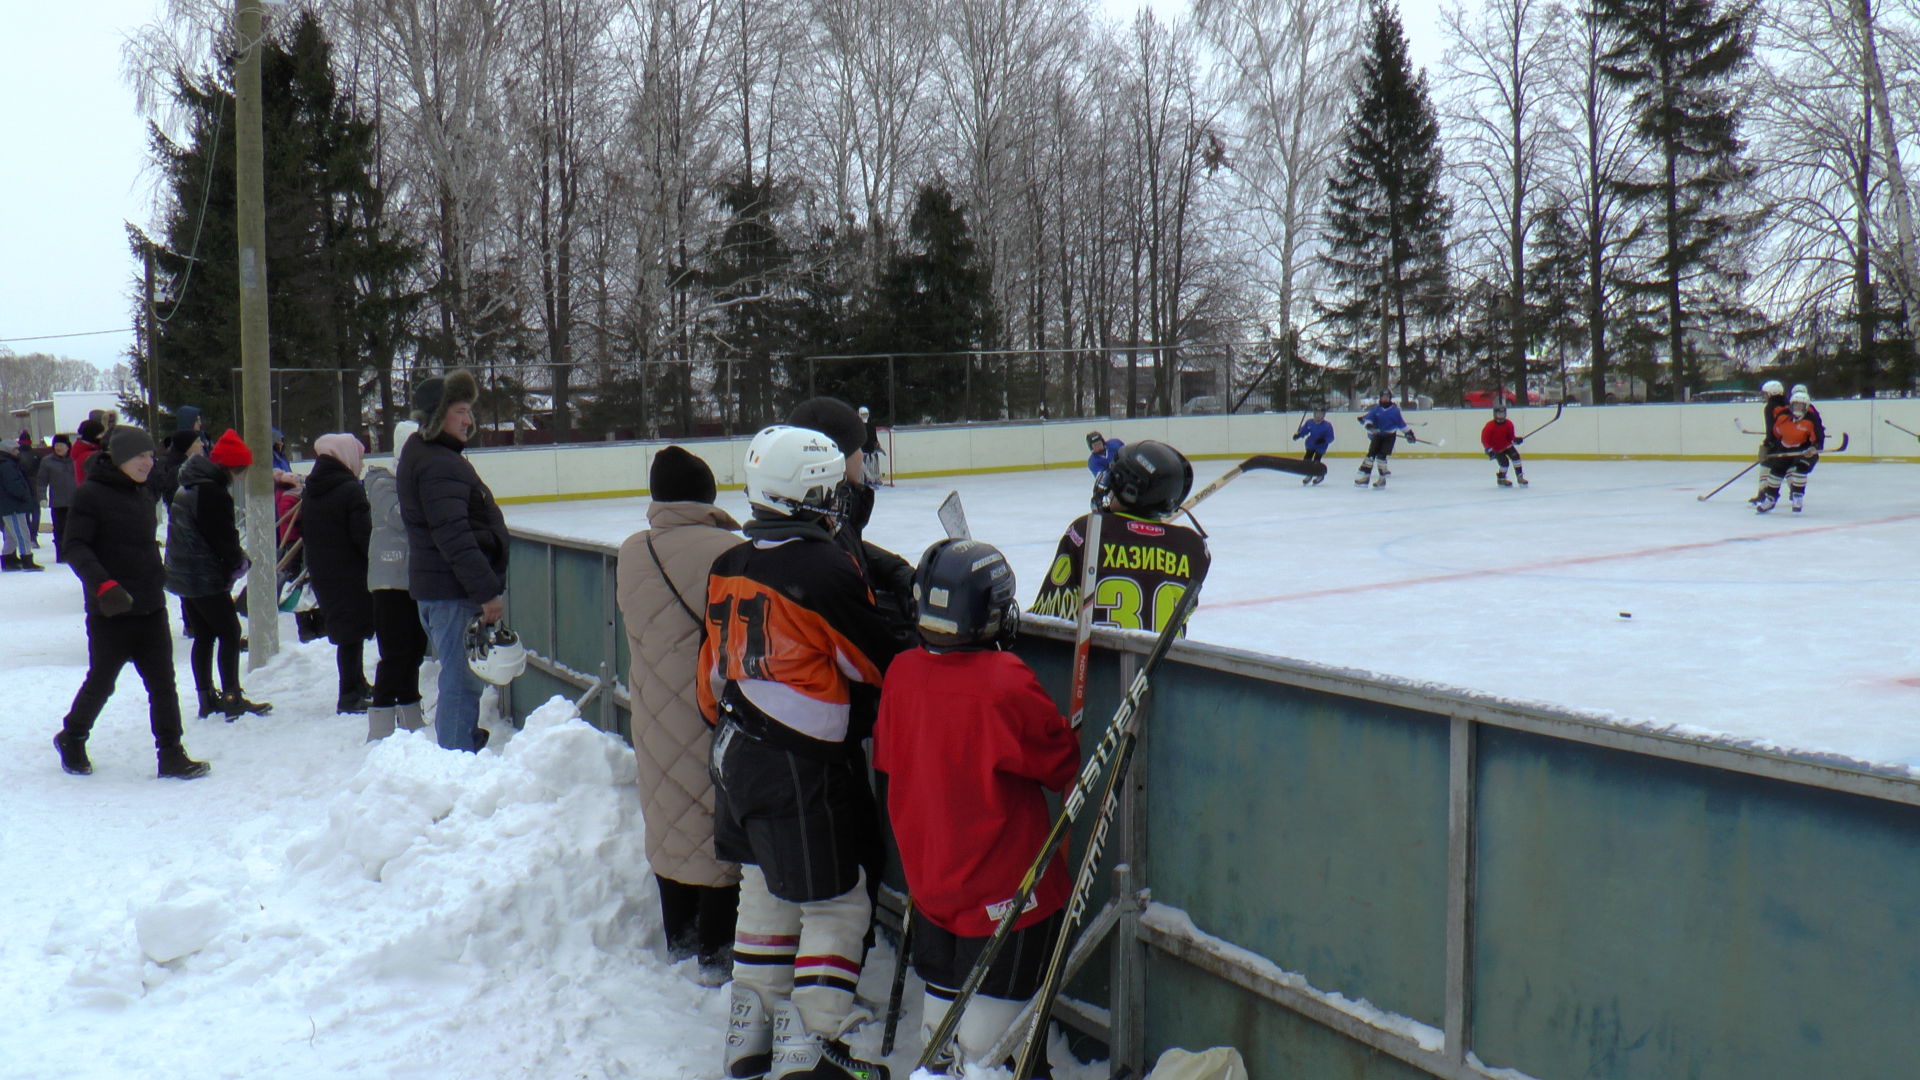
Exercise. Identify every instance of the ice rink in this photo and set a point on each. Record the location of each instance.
(1604, 586)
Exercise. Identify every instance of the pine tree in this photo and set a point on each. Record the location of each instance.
(1678, 60)
(1387, 218)
(1557, 285)
(338, 278)
(936, 296)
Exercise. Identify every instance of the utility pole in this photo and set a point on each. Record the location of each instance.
(153, 362)
(263, 592)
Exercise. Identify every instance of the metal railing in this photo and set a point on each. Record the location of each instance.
(1345, 874)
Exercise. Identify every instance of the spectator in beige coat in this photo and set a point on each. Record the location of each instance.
(662, 586)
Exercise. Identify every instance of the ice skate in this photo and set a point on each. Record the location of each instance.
(1521, 478)
(1799, 502)
(1766, 503)
(1502, 480)
(1380, 481)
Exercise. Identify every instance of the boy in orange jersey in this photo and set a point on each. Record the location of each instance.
(1799, 436)
(791, 626)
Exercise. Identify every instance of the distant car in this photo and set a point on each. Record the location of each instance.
(1484, 399)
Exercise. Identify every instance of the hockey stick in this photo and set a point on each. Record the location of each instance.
(899, 988)
(1275, 462)
(1743, 428)
(1557, 410)
(1897, 427)
(1763, 458)
(953, 517)
(1750, 467)
(1076, 910)
(1435, 443)
(1119, 733)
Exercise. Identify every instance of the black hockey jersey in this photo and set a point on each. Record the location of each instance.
(1145, 567)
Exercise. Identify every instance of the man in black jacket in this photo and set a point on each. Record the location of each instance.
(109, 545)
(456, 546)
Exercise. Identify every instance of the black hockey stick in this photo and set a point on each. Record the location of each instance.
(1296, 466)
(1557, 410)
(899, 988)
(1763, 458)
(1897, 427)
(1118, 739)
(1035, 1042)
(1750, 467)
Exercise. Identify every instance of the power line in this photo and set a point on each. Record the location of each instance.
(83, 333)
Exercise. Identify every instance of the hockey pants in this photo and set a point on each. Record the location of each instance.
(1800, 468)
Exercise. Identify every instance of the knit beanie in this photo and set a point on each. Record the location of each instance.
(230, 451)
(128, 442)
(62, 440)
(182, 441)
(679, 476)
(833, 418)
(341, 447)
(90, 429)
(403, 430)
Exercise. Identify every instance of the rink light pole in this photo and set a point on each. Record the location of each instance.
(263, 609)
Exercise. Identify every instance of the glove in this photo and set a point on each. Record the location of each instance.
(113, 600)
(1517, 440)
(1411, 437)
(1491, 455)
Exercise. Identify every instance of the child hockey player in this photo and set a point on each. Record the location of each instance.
(964, 723)
(1384, 423)
(1102, 451)
(1145, 562)
(1798, 437)
(1319, 435)
(1503, 446)
(791, 625)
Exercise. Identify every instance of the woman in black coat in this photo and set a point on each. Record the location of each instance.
(335, 522)
(204, 559)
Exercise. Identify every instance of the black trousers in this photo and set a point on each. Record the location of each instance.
(1381, 445)
(944, 959)
(350, 660)
(698, 919)
(809, 822)
(145, 640)
(1313, 455)
(213, 621)
(403, 645)
(59, 534)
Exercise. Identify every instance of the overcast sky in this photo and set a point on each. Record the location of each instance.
(76, 168)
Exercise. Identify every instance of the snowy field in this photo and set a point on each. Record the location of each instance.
(321, 908)
(318, 908)
(1788, 630)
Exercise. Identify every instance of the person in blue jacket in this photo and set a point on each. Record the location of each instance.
(1319, 435)
(1104, 451)
(1384, 423)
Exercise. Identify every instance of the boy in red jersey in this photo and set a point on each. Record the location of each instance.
(1503, 446)
(970, 744)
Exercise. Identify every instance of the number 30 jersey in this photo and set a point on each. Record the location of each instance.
(792, 623)
(1145, 567)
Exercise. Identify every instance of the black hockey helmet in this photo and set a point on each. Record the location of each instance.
(1096, 442)
(1149, 478)
(963, 596)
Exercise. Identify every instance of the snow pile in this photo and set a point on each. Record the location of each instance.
(451, 915)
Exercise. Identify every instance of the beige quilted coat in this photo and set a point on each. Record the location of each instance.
(670, 739)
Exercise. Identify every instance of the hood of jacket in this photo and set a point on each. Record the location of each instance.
(328, 473)
(202, 470)
(669, 515)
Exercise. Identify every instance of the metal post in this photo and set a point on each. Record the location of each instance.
(893, 395)
(153, 362)
(263, 609)
(1460, 874)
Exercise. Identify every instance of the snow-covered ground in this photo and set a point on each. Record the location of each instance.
(322, 908)
(1790, 630)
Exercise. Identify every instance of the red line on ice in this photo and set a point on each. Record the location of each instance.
(1550, 564)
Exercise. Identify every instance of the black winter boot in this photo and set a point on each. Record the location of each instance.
(354, 701)
(176, 765)
(73, 754)
(27, 563)
(236, 706)
(210, 703)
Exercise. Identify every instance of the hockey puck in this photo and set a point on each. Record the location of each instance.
(1626, 614)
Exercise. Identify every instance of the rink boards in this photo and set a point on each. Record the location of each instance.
(1353, 876)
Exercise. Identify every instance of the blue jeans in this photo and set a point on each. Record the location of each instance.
(456, 718)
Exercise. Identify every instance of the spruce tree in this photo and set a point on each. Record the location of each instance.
(338, 277)
(935, 296)
(1387, 218)
(1678, 59)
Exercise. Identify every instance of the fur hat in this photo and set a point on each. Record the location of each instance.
(436, 394)
(128, 442)
(679, 476)
(833, 418)
(91, 429)
(341, 447)
(230, 451)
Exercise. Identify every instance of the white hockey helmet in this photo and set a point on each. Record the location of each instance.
(1800, 400)
(494, 653)
(1772, 388)
(792, 468)
(863, 412)
(1798, 390)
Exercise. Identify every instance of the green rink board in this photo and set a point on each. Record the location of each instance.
(1306, 827)
(1193, 1010)
(1644, 918)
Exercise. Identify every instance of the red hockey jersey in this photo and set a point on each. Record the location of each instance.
(968, 740)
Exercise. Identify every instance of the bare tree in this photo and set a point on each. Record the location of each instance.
(1284, 68)
(1496, 84)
